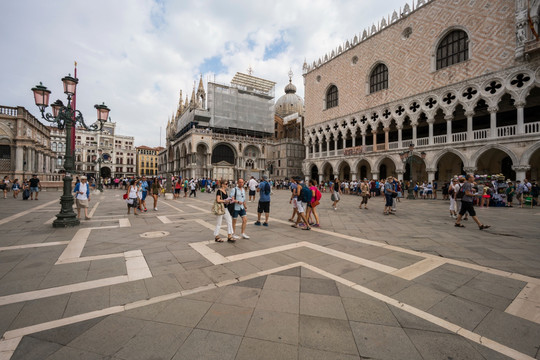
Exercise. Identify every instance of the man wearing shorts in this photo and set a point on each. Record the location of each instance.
(301, 208)
(264, 191)
(252, 185)
(467, 203)
(35, 187)
(239, 196)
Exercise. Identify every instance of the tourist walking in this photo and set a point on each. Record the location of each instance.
(82, 197)
(264, 189)
(252, 185)
(5, 185)
(315, 201)
(144, 192)
(303, 194)
(35, 186)
(452, 188)
(294, 199)
(238, 194)
(467, 203)
(193, 188)
(388, 191)
(364, 193)
(155, 189)
(335, 193)
(132, 197)
(222, 197)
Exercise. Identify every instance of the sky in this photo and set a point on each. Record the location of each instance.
(136, 55)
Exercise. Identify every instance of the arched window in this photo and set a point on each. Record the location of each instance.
(453, 49)
(332, 97)
(53, 146)
(378, 79)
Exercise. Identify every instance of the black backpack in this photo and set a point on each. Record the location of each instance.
(460, 193)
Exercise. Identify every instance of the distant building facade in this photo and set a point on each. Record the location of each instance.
(458, 80)
(147, 160)
(222, 133)
(24, 146)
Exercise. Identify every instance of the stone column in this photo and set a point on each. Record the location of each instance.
(469, 115)
(448, 119)
(353, 176)
(430, 122)
(400, 136)
(375, 175)
(354, 141)
(521, 171)
(336, 175)
(19, 158)
(431, 174)
(374, 132)
(520, 118)
(363, 139)
(400, 173)
(320, 146)
(321, 178)
(493, 121)
(469, 169)
(386, 130)
(335, 146)
(414, 133)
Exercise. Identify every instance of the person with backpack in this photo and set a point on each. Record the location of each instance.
(315, 201)
(264, 189)
(467, 195)
(452, 188)
(304, 195)
(335, 194)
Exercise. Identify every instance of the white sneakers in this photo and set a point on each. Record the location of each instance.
(236, 237)
(155, 209)
(245, 236)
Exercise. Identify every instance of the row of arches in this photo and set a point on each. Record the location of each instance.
(494, 159)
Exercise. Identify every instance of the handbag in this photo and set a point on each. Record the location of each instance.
(218, 208)
(315, 203)
(125, 196)
(333, 197)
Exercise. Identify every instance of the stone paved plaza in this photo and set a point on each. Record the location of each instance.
(363, 286)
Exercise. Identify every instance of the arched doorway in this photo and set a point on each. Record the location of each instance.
(223, 160)
(363, 170)
(387, 168)
(448, 166)
(495, 161)
(534, 162)
(315, 172)
(105, 172)
(328, 172)
(344, 171)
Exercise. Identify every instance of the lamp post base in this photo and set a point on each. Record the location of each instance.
(66, 217)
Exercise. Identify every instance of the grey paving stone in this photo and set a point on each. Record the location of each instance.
(306, 273)
(256, 283)
(497, 285)
(9, 313)
(518, 333)
(109, 335)
(290, 272)
(305, 353)
(208, 345)
(397, 259)
(362, 275)
(369, 310)
(148, 312)
(239, 296)
(274, 326)
(65, 334)
(446, 278)
(40, 310)
(387, 285)
(265, 350)
(482, 297)
(192, 279)
(383, 342)
(126, 293)
(283, 283)
(154, 341)
(318, 286)
(409, 321)
(326, 334)
(87, 300)
(183, 312)
(334, 265)
(241, 268)
(322, 306)
(460, 312)
(419, 296)
(34, 349)
(285, 301)
(228, 319)
(206, 295)
(67, 353)
(161, 285)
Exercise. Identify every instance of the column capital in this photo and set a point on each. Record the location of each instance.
(521, 167)
(386, 129)
(400, 171)
(470, 169)
(431, 170)
(469, 113)
(449, 117)
(493, 109)
(520, 104)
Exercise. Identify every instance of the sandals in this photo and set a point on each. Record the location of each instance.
(218, 239)
(459, 225)
(482, 227)
(231, 240)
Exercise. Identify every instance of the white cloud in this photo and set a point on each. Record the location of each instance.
(135, 55)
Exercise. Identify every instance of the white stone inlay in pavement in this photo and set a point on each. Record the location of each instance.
(527, 303)
(174, 207)
(417, 269)
(29, 246)
(91, 213)
(22, 213)
(124, 223)
(8, 347)
(164, 219)
(154, 234)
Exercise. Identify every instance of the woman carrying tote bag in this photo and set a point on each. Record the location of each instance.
(222, 197)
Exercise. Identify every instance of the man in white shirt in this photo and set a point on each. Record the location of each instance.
(252, 185)
(239, 196)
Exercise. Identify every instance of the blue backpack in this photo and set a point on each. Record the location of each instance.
(305, 194)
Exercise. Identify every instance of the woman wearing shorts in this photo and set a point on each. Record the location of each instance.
(82, 191)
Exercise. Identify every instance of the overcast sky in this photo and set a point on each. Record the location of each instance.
(135, 55)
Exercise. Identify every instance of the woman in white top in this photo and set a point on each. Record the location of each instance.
(223, 197)
(133, 197)
(82, 196)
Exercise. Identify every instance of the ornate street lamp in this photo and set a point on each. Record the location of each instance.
(407, 157)
(99, 160)
(65, 117)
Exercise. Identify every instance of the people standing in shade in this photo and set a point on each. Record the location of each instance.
(467, 203)
(264, 189)
(252, 185)
(16, 187)
(82, 197)
(336, 191)
(238, 194)
(222, 197)
(5, 185)
(144, 192)
(132, 197)
(155, 189)
(35, 186)
(364, 193)
(388, 191)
